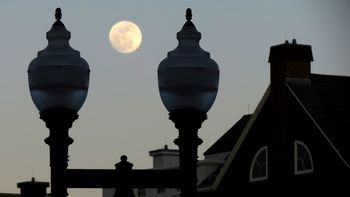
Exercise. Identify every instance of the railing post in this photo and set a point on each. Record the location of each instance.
(124, 169)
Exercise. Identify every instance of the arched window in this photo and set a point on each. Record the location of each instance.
(258, 168)
(302, 159)
(141, 192)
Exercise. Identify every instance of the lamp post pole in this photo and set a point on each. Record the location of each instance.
(188, 122)
(58, 121)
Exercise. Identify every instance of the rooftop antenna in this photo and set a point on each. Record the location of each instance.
(33, 174)
(293, 33)
(294, 40)
(165, 141)
(285, 36)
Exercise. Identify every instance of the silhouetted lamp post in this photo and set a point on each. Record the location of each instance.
(188, 82)
(58, 82)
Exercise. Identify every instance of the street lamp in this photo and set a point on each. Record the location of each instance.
(58, 82)
(188, 82)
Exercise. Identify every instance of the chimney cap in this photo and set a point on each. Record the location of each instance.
(32, 183)
(164, 151)
(290, 51)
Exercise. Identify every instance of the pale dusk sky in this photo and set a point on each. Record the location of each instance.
(123, 113)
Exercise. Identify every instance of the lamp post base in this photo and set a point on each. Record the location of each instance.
(188, 122)
(58, 121)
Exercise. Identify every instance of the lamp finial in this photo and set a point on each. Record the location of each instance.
(188, 14)
(58, 14)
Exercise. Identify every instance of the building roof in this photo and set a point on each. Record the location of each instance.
(213, 181)
(327, 99)
(226, 142)
(210, 179)
(164, 151)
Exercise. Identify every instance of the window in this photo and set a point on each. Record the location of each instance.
(258, 168)
(141, 192)
(160, 190)
(302, 159)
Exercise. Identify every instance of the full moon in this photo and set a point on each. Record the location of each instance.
(125, 36)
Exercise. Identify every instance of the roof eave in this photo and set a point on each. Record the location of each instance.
(241, 139)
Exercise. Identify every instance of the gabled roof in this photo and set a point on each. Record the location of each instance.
(209, 180)
(236, 146)
(327, 99)
(226, 142)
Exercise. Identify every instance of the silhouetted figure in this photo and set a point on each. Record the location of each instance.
(124, 169)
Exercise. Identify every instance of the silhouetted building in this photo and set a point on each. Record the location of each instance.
(31, 188)
(163, 158)
(296, 143)
(166, 158)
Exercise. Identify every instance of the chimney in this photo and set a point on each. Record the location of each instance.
(33, 188)
(165, 157)
(290, 60)
(287, 60)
